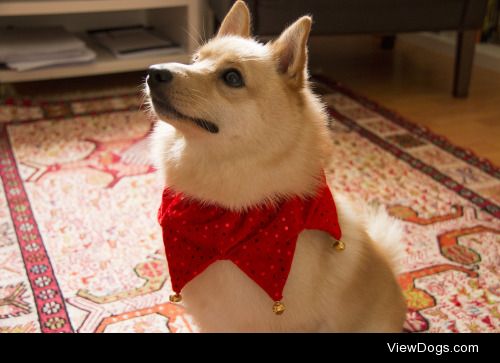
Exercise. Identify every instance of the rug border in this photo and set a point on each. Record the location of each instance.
(461, 190)
(483, 163)
(26, 102)
(29, 102)
(48, 321)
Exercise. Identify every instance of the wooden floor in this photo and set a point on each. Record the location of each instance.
(417, 83)
(409, 80)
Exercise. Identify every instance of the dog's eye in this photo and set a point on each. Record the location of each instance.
(232, 77)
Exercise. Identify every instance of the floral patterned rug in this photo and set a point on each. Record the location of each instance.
(80, 249)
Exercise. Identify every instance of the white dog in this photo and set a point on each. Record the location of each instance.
(242, 138)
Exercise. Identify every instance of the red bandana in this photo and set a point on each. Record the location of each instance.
(260, 241)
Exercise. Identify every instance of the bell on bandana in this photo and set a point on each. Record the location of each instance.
(338, 245)
(175, 298)
(278, 308)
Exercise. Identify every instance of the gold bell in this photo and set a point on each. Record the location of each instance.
(175, 298)
(278, 308)
(339, 246)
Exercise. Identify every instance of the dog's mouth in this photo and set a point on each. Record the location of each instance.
(166, 109)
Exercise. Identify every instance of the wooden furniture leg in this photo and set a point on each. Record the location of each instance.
(466, 44)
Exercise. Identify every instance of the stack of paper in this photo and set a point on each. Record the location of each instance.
(131, 42)
(29, 48)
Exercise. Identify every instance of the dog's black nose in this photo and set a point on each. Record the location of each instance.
(159, 75)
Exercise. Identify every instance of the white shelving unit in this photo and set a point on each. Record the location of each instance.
(179, 20)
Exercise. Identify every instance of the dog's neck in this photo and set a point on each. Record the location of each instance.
(241, 182)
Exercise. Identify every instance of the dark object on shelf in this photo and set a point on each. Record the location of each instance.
(386, 17)
(133, 41)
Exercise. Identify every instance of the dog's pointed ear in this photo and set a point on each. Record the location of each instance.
(237, 21)
(290, 50)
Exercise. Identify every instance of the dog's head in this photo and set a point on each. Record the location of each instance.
(236, 91)
(246, 127)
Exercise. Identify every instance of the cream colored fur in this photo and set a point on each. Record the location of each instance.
(272, 143)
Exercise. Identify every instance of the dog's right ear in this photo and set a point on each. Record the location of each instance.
(237, 21)
(290, 50)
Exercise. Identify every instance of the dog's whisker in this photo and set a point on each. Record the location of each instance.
(203, 40)
(193, 38)
(203, 34)
(198, 97)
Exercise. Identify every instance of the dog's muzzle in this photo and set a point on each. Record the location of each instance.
(158, 78)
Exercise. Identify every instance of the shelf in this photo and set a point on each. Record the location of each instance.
(175, 19)
(51, 7)
(104, 63)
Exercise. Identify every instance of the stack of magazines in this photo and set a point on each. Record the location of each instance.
(29, 48)
(134, 41)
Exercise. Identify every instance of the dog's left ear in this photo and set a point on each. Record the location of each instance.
(237, 21)
(290, 50)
